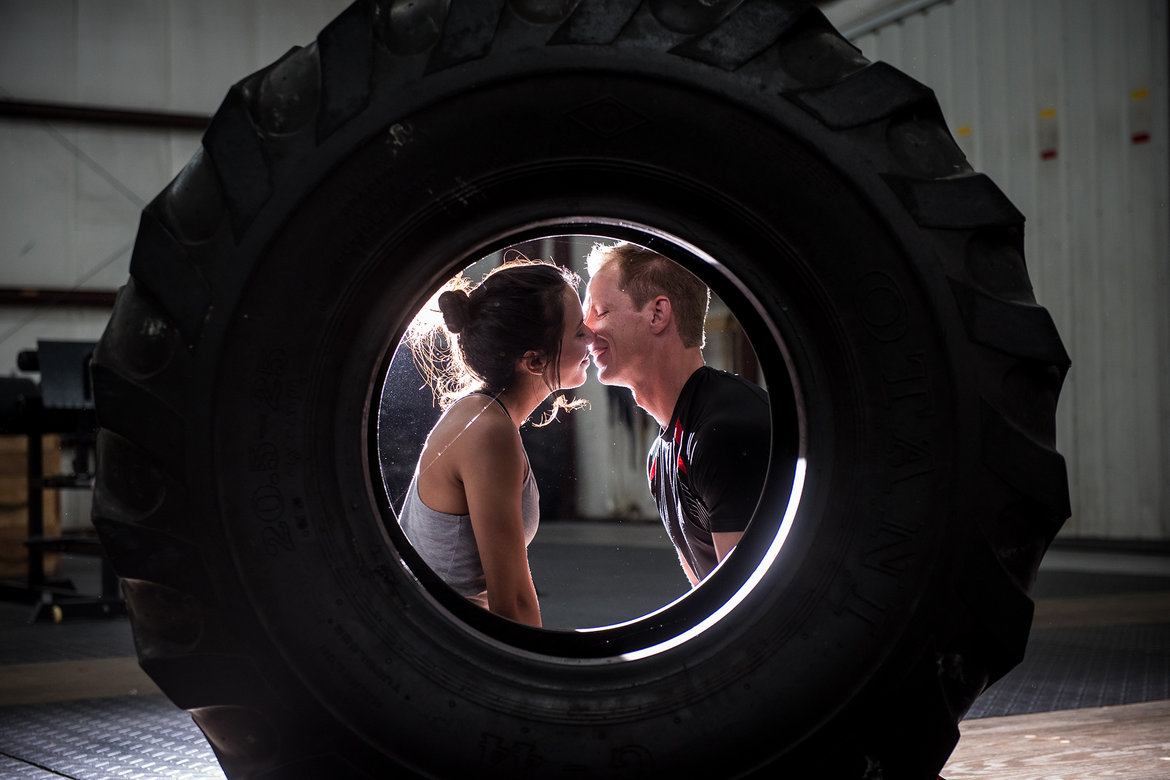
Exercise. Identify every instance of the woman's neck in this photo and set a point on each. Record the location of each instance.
(521, 399)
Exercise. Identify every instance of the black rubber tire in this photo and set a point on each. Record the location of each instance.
(238, 496)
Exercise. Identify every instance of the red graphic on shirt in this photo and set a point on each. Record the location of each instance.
(676, 440)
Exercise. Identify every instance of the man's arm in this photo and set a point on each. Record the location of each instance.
(725, 542)
(687, 570)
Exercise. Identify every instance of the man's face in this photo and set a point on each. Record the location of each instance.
(621, 332)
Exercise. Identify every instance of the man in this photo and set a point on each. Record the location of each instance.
(709, 462)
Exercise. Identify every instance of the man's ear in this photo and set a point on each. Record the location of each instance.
(533, 362)
(660, 315)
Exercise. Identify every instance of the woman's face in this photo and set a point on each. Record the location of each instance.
(575, 341)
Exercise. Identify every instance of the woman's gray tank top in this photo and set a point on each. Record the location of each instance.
(447, 542)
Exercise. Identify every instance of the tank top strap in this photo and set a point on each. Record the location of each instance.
(497, 400)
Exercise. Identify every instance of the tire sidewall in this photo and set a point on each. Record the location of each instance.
(294, 387)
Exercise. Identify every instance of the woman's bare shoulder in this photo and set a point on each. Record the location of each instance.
(476, 421)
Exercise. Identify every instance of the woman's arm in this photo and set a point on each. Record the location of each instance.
(492, 470)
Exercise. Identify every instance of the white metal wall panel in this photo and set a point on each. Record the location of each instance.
(71, 193)
(1064, 104)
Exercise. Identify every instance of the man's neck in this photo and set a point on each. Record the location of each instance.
(659, 393)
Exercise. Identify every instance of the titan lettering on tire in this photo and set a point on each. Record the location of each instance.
(884, 582)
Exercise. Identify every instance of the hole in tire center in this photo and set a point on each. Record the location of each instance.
(602, 555)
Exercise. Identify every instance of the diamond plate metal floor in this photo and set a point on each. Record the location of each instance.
(132, 737)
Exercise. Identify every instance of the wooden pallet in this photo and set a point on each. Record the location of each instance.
(1130, 741)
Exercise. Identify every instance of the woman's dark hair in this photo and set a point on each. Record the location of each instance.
(518, 307)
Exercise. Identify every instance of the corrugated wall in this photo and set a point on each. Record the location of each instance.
(71, 193)
(1064, 104)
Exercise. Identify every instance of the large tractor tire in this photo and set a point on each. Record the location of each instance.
(882, 585)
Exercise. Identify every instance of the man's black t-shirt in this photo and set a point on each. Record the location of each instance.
(708, 465)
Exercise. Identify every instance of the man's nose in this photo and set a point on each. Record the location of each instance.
(594, 335)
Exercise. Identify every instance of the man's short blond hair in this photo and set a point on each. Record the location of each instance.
(644, 274)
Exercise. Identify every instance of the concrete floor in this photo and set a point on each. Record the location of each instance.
(1091, 697)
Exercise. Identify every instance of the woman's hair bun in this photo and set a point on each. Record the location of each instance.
(456, 308)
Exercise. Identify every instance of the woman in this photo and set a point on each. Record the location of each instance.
(473, 505)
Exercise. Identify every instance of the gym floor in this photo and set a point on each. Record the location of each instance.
(1091, 698)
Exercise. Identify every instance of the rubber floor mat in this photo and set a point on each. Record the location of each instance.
(1074, 668)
